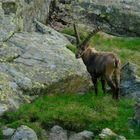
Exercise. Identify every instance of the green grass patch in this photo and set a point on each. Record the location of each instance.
(80, 112)
(75, 112)
(72, 48)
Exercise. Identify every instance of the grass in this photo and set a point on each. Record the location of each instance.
(80, 112)
(75, 112)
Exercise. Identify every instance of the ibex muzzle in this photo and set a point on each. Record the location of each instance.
(104, 65)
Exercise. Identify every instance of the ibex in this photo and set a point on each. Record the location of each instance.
(104, 65)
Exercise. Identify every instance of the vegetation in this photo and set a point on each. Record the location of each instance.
(79, 112)
(76, 112)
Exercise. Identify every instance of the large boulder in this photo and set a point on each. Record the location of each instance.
(18, 15)
(130, 87)
(36, 63)
(7, 24)
(118, 17)
(24, 133)
(130, 82)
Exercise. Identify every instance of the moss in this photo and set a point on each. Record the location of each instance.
(72, 48)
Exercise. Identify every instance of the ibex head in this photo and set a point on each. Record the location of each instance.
(82, 47)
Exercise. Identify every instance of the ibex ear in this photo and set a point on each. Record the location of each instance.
(77, 35)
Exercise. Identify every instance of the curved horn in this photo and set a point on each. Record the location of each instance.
(77, 35)
(97, 29)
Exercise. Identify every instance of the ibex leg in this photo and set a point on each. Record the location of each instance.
(111, 84)
(117, 83)
(95, 83)
(103, 82)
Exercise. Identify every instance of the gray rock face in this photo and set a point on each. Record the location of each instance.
(130, 82)
(7, 24)
(8, 133)
(24, 133)
(36, 63)
(118, 17)
(18, 15)
(58, 133)
(130, 87)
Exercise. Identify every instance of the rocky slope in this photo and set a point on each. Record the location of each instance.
(118, 17)
(19, 14)
(36, 63)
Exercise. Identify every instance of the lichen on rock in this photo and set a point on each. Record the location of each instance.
(33, 64)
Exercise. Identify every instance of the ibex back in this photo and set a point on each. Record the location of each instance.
(104, 65)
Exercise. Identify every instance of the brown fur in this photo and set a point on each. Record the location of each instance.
(104, 65)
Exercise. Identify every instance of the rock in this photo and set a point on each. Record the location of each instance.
(85, 135)
(117, 17)
(130, 87)
(8, 132)
(107, 133)
(72, 39)
(19, 15)
(7, 25)
(130, 82)
(36, 63)
(58, 133)
(76, 137)
(121, 138)
(24, 132)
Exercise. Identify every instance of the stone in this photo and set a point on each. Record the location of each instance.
(72, 39)
(24, 133)
(107, 133)
(8, 132)
(121, 138)
(84, 135)
(58, 133)
(37, 63)
(87, 134)
(130, 82)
